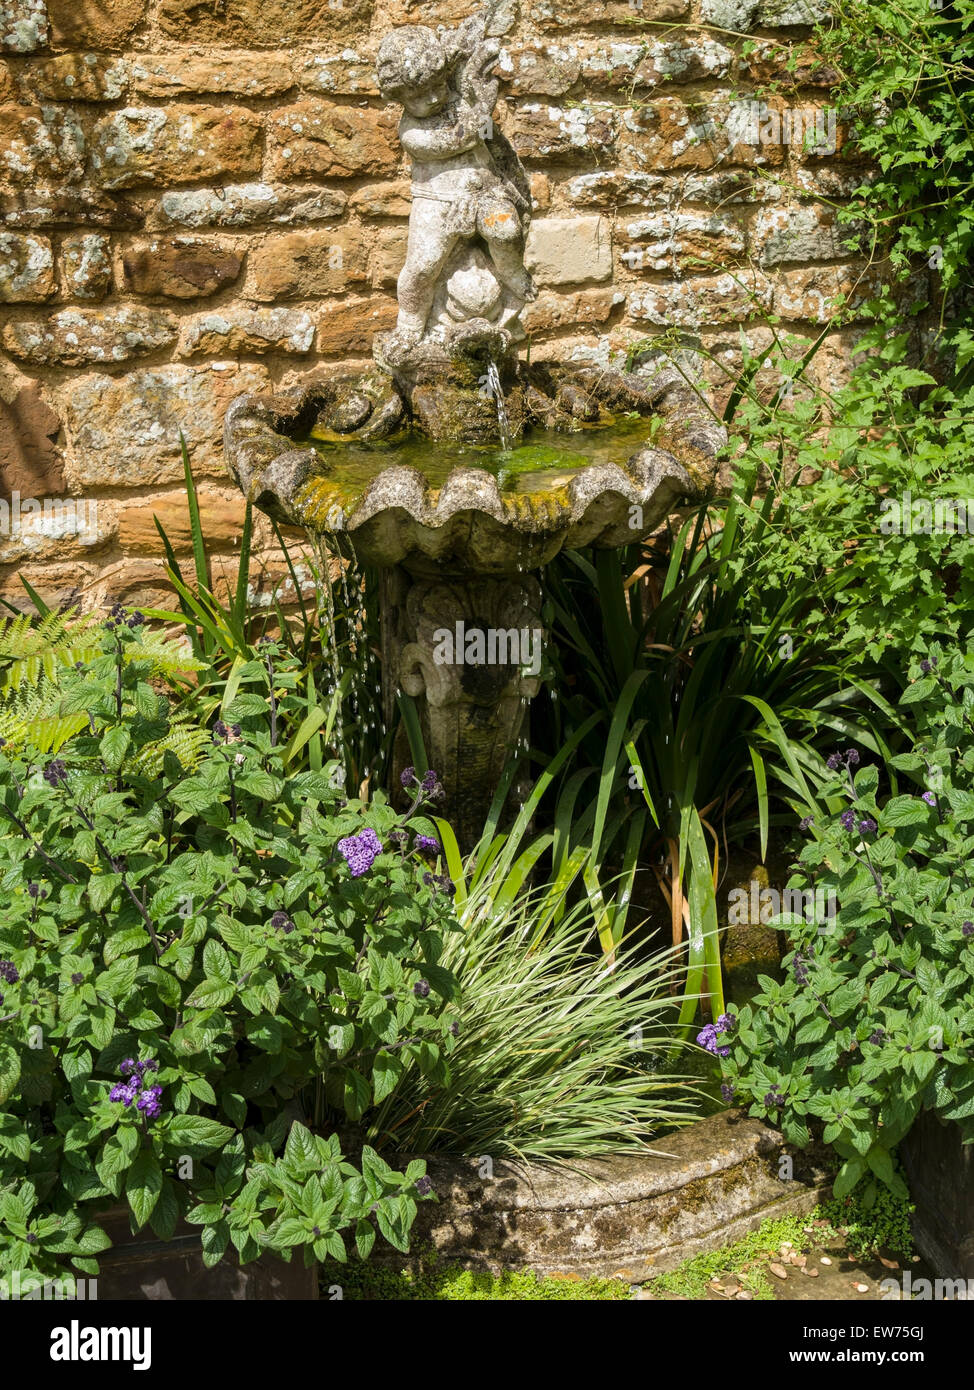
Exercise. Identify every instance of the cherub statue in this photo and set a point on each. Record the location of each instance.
(467, 181)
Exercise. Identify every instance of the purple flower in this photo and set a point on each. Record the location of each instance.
(968, 929)
(428, 846)
(360, 851)
(773, 1098)
(9, 972)
(848, 819)
(421, 989)
(725, 1023)
(280, 921)
(34, 889)
(128, 1066)
(707, 1038)
(805, 823)
(454, 1030)
(148, 1102)
(55, 773)
(929, 798)
(424, 1187)
(833, 762)
(852, 758)
(877, 1037)
(77, 978)
(727, 1093)
(124, 1093)
(867, 825)
(408, 776)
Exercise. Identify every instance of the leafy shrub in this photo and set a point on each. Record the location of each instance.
(195, 965)
(874, 1018)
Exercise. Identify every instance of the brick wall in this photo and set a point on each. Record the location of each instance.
(204, 197)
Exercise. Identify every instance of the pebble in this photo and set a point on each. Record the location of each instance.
(825, 1260)
(745, 1293)
(861, 1288)
(812, 1273)
(778, 1271)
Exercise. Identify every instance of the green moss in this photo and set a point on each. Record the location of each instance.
(692, 1278)
(430, 1281)
(865, 1227)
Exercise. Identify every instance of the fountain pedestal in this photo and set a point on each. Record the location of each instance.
(468, 650)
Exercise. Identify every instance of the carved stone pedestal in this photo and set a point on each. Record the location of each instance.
(469, 651)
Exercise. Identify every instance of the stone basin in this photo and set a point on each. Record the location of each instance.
(466, 522)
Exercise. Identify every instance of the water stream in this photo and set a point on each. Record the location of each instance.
(497, 391)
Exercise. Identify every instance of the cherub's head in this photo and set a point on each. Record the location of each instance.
(412, 68)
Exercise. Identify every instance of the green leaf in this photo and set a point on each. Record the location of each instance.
(143, 1185)
(198, 1132)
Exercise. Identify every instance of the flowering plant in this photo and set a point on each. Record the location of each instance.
(874, 1019)
(196, 969)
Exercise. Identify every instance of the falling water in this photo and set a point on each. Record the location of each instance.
(497, 391)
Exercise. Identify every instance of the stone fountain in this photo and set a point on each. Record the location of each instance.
(428, 466)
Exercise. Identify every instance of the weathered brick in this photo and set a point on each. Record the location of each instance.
(182, 144)
(124, 431)
(228, 73)
(221, 515)
(72, 337)
(49, 529)
(304, 264)
(809, 294)
(238, 330)
(38, 143)
(67, 207)
(314, 139)
(795, 234)
(625, 188)
(683, 241)
(382, 200)
(8, 87)
(180, 267)
(670, 134)
(544, 70)
(702, 300)
(86, 265)
(349, 325)
(350, 73)
(75, 77)
(577, 14)
(30, 461)
(569, 250)
(23, 25)
(26, 269)
(795, 65)
(550, 312)
(544, 132)
(388, 257)
(640, 65)
(736, 15)
(264, 21)
(247, 205)
(104, 24)
(788, 14)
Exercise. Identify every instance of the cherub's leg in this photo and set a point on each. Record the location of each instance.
(500, 227)
(427, 252)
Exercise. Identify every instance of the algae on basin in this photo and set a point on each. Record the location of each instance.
(547, 459)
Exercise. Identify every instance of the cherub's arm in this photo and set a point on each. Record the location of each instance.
(440, 139)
